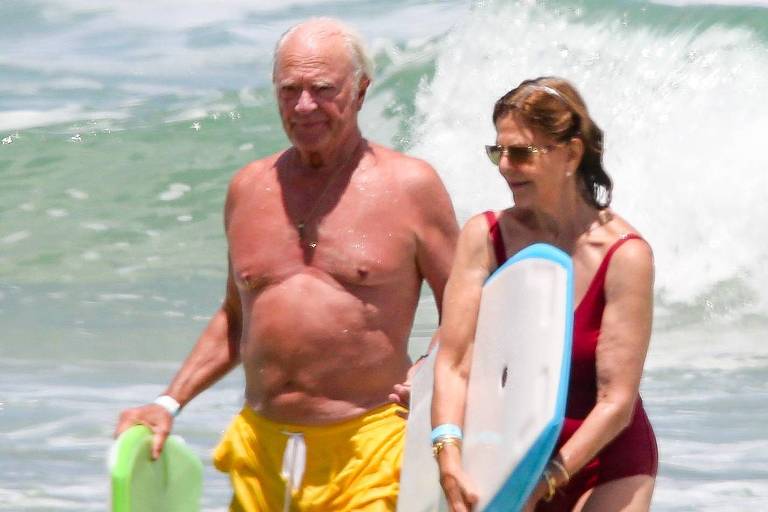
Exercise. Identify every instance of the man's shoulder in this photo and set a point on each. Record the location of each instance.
(254, 170)
(412, 172)
(421, 185)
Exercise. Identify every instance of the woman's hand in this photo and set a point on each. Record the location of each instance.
(459, 491)
(538, 493)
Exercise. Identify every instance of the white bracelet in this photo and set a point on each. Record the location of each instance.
(168, 403)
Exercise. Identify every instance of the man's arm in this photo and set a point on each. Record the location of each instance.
(436, 230)
(215, 353)
(213, 356)
(436, 234)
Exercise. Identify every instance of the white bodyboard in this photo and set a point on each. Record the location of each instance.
(517, 387)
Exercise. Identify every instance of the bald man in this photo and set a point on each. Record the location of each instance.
(329, 242)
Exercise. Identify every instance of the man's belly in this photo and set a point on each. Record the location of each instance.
(314, 353)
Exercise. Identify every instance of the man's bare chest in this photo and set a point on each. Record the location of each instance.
(353, 243)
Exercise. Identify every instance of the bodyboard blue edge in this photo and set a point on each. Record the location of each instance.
(523, 479)
(420, 489)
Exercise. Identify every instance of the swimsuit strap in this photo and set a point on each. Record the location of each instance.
(612, 249)
(494, 232)
(595, 288)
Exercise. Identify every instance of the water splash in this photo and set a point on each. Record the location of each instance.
(682, 109)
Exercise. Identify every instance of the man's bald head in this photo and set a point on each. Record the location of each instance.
(326, 29)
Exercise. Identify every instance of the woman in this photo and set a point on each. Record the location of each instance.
(549, 151)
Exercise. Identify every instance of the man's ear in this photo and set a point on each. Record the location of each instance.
(361, 90)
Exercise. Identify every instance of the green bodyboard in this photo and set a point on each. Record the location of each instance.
(172, 483)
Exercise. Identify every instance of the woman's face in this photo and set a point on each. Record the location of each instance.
(535, 166)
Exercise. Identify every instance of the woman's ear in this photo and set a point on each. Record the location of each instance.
(575, 149)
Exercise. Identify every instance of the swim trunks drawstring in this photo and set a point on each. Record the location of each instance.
(294, 463)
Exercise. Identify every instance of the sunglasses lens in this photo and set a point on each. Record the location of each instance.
(515, 154)
(494, 154)
(518, 154)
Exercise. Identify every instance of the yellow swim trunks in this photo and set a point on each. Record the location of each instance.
(349, 466)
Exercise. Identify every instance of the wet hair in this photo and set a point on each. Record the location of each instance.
(362, 62)
(554, 107)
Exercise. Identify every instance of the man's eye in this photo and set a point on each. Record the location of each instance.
(323, 88)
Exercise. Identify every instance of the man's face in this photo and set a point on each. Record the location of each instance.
(316, 93)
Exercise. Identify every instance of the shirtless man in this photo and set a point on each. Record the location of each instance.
(329, 241)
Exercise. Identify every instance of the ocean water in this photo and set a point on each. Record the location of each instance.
(121, 123)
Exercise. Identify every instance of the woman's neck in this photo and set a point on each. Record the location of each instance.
(566, 222)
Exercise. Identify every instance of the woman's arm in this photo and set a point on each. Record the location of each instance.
(461, 303)
(620, 355)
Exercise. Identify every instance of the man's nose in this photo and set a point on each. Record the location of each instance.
(306, 102)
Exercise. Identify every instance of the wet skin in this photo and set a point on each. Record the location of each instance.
(329, 243)
(325, 328)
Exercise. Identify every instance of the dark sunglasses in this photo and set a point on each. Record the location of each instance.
(516, 154)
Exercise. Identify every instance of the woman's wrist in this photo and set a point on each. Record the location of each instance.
(449, 459)
(554, 477)
(558, 470)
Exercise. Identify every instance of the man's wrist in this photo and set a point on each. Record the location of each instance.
(168, 403)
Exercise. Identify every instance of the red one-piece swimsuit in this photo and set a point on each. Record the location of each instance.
(633, 451)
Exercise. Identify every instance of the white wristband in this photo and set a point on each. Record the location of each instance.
(168, 403)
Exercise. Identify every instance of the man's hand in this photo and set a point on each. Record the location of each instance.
(159, 420)
(401, 393)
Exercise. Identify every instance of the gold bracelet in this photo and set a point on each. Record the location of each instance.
(441, 443)
(561, 468)
(551, 485)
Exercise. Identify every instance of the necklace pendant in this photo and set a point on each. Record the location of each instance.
(300, 228)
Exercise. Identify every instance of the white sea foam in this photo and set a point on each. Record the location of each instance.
(23, 119)
(29, 499)
(129, 269)
(76, 83)
(700, 203)
(720, 496)
(77, 194)
(119, 296)
(57, 213)
(15, 237)
(759, 3)
(95, 226)
(188, 115)
(175, 191)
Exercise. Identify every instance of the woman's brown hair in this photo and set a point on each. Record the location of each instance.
(552, 106)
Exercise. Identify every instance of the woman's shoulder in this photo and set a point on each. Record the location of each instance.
(615, 230)
(478, 226)
(629, 252)
(485, 221)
